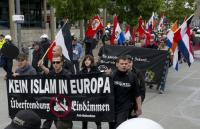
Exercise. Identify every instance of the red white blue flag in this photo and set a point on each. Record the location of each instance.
(128, 34)
(182, 38)
(151, 23)
(161, 25)
(117, 33)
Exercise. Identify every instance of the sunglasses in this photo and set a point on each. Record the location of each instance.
(56, 62)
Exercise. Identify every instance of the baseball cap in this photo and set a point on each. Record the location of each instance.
(8, 37)
(44, 36)
(25, 119)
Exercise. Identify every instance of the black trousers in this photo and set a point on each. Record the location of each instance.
(88, 49)
(76, 64)
(8, 66)
(85, 124)
(120, 117)
(58, 123)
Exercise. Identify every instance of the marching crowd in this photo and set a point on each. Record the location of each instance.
(128, 82)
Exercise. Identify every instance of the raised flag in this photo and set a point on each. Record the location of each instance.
(128, 34)
(117, 34)
(63, 38)
(140, 28)
(173, 45)
(50, 50)
(94, 26)
(134, 36)
(182, 37)
(147, 39)
(170, 34)
(151, 23)
(160, 25)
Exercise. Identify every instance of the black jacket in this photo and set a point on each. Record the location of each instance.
(94, 69)
(37, 55)
(67, 64)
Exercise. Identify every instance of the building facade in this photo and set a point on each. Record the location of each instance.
(33, 11)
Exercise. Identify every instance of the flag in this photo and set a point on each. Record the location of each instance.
(134, 35)
(128, 34)
(50, 54)
(140, 28)
(63, 38)
(173, 45)
(117, 34)
(148, 37)
(94, 26)
(151, 23)
(182, 37)
(160, 25)
(170, 34)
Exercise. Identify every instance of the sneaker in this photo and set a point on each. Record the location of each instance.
(161, 91)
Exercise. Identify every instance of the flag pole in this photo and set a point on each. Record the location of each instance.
(52, 44)
(185, 21)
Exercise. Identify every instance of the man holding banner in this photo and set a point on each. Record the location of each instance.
(58, 69)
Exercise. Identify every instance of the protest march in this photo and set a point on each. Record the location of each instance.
(101, 77)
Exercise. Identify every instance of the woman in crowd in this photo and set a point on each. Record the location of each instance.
(88, 66)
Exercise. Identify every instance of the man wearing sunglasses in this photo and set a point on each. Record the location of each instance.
(67, 64)
(57, 64)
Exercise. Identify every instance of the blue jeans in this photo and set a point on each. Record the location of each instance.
(163, 81)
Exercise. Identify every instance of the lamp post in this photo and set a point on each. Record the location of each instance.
(18, 12)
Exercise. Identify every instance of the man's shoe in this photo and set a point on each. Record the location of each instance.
(161, 91)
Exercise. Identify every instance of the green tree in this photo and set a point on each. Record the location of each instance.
(127, 10)
(130, 10)
(76, 10)
(179, 9)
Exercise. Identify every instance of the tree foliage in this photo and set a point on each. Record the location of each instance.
(130, 10)
(127, 10)
(76, 10)
(179, 9)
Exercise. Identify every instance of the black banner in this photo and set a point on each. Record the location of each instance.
(83, 97)
(151, 62)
